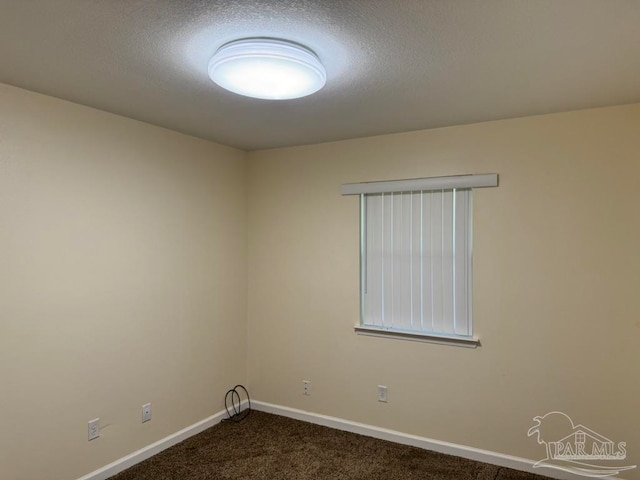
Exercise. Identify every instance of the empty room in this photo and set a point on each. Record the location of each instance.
(313, 239)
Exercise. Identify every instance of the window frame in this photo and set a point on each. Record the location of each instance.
(397, 186)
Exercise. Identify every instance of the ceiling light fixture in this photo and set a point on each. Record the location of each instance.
(267, 68)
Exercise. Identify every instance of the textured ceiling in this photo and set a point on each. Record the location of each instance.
(392, 65)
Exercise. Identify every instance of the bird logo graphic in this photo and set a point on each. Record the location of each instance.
(576, 448)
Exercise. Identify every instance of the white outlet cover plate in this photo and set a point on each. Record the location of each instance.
(382, 393)
(146, 412)
(94, 429)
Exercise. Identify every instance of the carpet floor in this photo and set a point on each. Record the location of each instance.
(272, 447)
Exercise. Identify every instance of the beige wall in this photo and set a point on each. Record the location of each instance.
(123, 281)
(556, 267)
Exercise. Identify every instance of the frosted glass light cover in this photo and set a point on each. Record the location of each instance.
(267, 68)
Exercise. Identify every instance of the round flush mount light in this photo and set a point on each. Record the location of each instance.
(268, 68)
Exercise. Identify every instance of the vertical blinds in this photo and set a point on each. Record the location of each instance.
(416, 261)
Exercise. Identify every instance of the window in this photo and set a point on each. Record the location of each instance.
(416, 257)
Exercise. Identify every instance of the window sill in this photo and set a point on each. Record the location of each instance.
(418, 337)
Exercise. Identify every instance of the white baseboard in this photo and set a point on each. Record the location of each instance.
(155, 448)
(471, 453)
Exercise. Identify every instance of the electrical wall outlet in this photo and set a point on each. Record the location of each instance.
(382, 394)
(94, 429)
(146, 412)
(306, 385)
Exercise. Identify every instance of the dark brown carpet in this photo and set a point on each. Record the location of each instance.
(266, 446)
